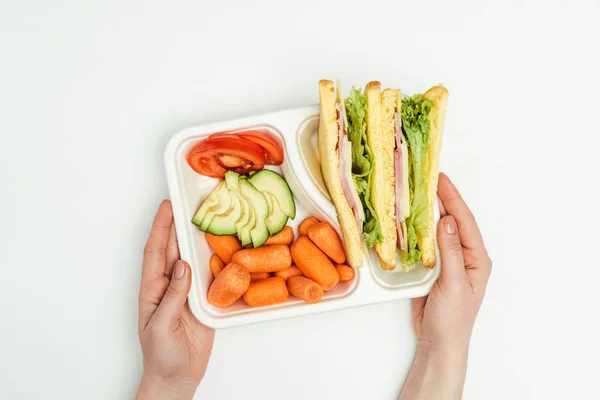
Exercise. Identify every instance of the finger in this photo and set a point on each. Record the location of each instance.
(454, 204)
(451, 252)
(172, 251)
(418, 307)
(418, 304)
(153, 267)
(149, 300)
(172, 304)
(443, 211)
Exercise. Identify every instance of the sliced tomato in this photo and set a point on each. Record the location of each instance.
(216, 156)
(269, 142)
(220, 135)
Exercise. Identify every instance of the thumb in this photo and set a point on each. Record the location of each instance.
(172, 304)
(451, 252)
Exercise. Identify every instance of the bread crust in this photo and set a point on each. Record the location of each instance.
(330, 168)
(382, 140)
(431, 167)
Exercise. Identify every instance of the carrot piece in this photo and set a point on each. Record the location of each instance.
(216, 265)
(313, 263)
(257, 276)
(305, 289)
(224, 246)
(288, 273)
(266, 292)
(273, 258)
(323, 235)
(229, 285)
(304, 225)
(346, 272)
(285, 236)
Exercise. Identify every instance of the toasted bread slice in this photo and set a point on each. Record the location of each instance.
(381, 138)
(431, 167)
(330, 168)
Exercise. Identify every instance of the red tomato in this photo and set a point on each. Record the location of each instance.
(220, 135)
(215, 156)
(269, 142)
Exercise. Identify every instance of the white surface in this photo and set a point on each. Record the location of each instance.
(90, 94)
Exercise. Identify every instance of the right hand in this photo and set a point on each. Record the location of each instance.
(443, 321)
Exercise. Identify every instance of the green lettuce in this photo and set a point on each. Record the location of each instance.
(415, 123)
(362, 162)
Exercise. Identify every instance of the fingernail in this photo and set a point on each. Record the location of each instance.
(449, 225)
(179, 270)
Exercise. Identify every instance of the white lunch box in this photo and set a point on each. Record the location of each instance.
(298, 131)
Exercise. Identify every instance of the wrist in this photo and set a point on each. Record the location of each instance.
(445, 355)
(157, 388)
(437, 373)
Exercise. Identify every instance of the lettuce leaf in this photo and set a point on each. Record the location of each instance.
(362, 162)
(415, 124)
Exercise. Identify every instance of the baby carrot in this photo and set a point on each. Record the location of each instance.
(304, 225)
(224, 246)
(305, 289)
(273, 258)
(313, 263)
(216, 265)
(257, 276)
(346, 272)
(288, 273)
(229, 285)
(286, 236)
(266, 292)
(323, 235)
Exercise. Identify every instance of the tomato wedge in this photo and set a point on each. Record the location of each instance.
(216, 156)
(269, 142)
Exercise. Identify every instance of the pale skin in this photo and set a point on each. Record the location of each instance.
(177, 347)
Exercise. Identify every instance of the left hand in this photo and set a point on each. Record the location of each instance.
(176, 346)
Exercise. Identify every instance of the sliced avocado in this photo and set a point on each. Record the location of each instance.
(244, 231)
(276, 219)
(232, 178)
(269, 201)
(222, 207)
(224, 224)
(214, 202)
(271, 182)
(247, 219)
(259, 232)
(245, 214)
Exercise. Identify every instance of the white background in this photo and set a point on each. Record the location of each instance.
(90, 92)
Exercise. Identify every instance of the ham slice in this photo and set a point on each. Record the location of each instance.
(399, 188)
(345, 150)
(399, 171)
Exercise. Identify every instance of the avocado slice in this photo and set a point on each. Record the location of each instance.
(232, 179)
(244, 231)
(222, 207)
(271, 182)
(259, 233)
(276, 219)
(245, 214)
(217, 202)
(224, 224)
(248, 219)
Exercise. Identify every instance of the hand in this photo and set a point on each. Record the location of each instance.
(443, 320)
(176, 346)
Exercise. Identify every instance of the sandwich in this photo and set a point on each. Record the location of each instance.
(379, 158)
